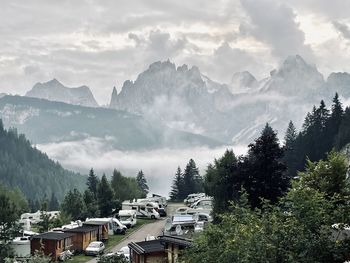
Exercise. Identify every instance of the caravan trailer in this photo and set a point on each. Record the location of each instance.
(143, 210)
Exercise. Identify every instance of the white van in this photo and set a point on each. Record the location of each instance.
(114, 225)
(127, 217)
(143, 210)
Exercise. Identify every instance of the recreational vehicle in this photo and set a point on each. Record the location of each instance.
(143, 210)
(127, 217)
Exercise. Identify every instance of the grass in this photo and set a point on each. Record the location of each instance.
(112, 241)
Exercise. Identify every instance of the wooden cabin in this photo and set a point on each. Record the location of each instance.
(173, 246)
(52, 243)
(102, 229)
(147, 252)
(83, 236)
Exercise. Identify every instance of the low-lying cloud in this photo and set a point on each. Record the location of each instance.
(159, 165)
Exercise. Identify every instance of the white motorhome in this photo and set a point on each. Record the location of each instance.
(191, 198)
(143, 210)
(127, 217)
(114, 225)
(35, 217)
(21, 246)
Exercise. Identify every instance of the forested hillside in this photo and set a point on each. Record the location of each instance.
(31, 171)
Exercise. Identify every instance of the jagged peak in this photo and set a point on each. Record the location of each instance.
(158, 65)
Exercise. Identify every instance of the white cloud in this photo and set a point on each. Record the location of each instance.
(159, 165)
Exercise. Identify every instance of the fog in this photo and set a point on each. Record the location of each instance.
(159, 166)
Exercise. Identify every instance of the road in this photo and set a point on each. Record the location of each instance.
(153, 229)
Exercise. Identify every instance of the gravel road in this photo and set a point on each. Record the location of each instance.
(153, 229)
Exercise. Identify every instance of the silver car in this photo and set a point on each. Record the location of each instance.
(95, 248)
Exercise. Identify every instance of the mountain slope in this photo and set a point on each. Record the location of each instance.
(55, 91)
(45, 121)
(32, 171)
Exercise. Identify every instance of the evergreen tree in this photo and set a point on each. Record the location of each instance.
(266, 176)
(105, 197)
(53, 205)
(92, 183)
(193, 182)
(92, 209)
(142, 183)
(73, 205)
(224, 181)
(176, 193)
(290, 145)
(125, 188)
(343, 136)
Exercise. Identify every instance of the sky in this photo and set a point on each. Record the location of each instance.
(103, 43)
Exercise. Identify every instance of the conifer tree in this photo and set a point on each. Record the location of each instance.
(92, 182)
(53, 205)
(142, 183)
(267, 176)
(105, 197)
(73, 205)
(193, 182)
(176, 193)
(290, 145)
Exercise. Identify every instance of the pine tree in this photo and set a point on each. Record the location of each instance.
(176, 193)
(142, 183)
(53, 205)
(105, 197)
(92, 182)
(92, 209)
(267, 176)
(193, 182)
(334, 122)
(290, 145)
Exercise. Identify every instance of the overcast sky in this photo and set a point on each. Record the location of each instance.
(103, 43)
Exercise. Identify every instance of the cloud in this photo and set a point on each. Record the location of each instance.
(159, 165)
(274, 24)
(343, 29)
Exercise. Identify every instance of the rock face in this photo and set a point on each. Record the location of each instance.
(55, 91)
(339, 82)
(183, 98)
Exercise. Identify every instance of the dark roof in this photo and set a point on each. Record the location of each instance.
(53, 236)
(145, 247)
(176, 240)
(81, 229)
(95, 223)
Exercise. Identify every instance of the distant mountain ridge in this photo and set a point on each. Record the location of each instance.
(184, 98)
(55, 91)
(46, 121)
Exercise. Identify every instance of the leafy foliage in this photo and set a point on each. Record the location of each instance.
(296, 229)
(113, 259)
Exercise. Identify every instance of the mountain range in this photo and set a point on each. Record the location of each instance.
(179, 99)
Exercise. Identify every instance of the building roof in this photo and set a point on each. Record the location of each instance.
(95, 223)
(81, 229)
(176, 240)
(53, 236)
(146, 247)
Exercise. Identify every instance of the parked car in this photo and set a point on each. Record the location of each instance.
(125, 251)
(95, 248)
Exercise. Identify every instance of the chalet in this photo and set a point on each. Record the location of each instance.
(102, 229)
(51, 243)
(83, 236)
(147, 252)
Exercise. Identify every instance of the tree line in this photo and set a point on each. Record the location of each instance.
(322, 130)
(267, 209)
(31, 171)
(187, 182)
(103, 196)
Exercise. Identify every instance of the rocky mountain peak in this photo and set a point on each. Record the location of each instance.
(55, 91)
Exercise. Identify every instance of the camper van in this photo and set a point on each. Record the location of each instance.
(21, 246)
(151, 203)
(143, 210)
(191, 198)
(114, 225)
(127, 217)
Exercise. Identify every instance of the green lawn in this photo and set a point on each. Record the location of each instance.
(112, 241)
